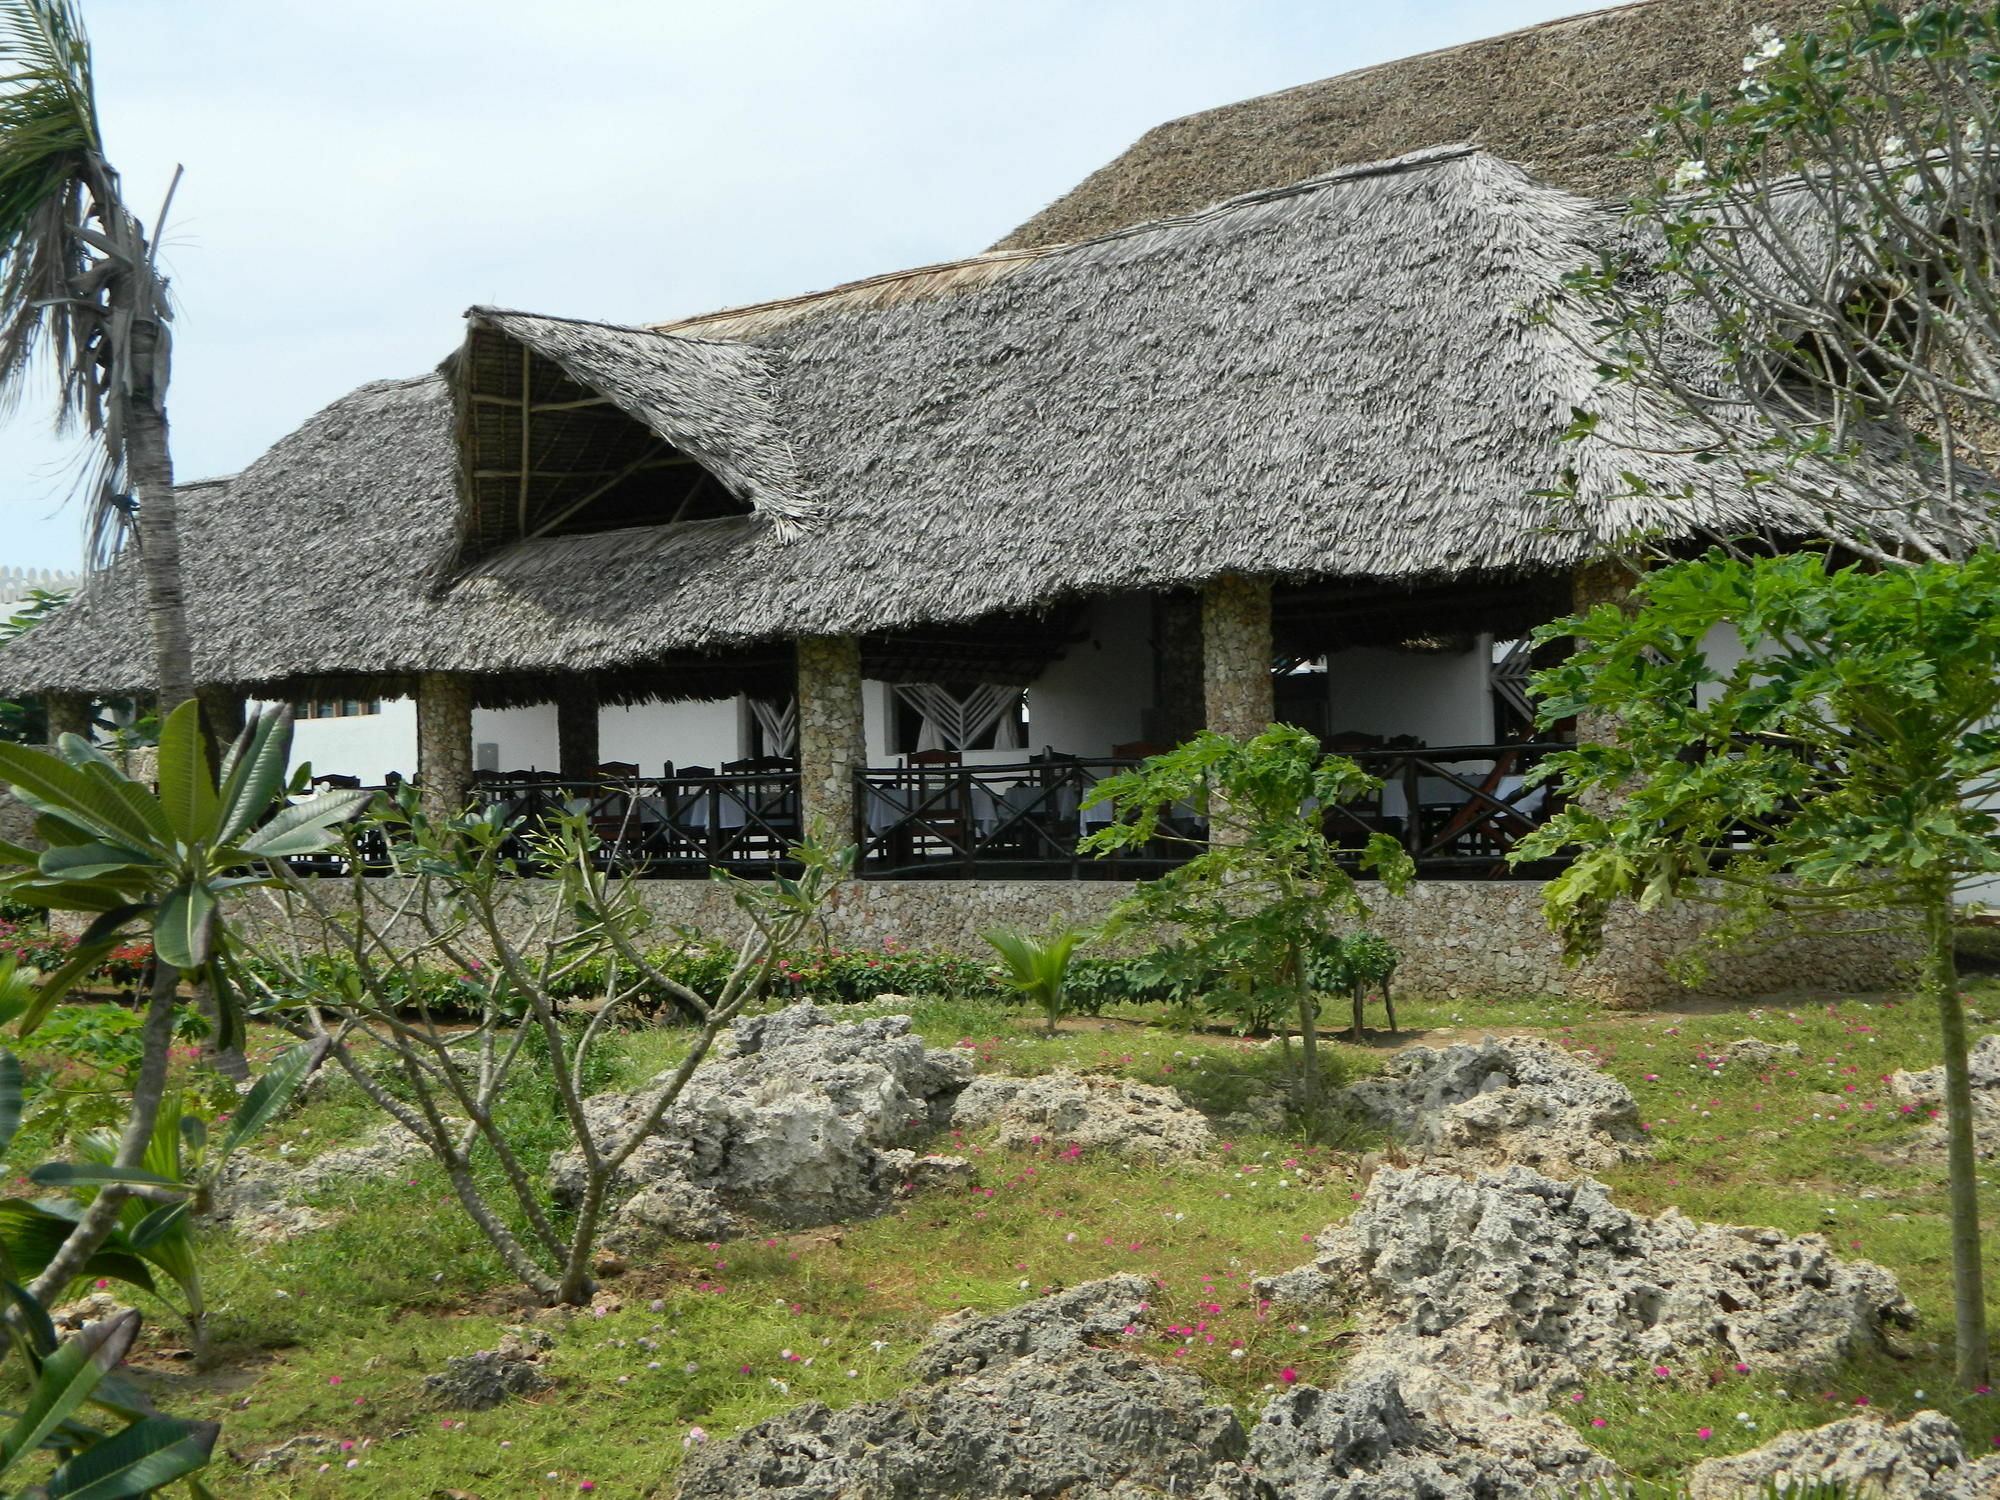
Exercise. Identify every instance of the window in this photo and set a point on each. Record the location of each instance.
(335, 708)
(959, 716)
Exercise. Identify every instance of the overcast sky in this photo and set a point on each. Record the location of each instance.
(360, 172)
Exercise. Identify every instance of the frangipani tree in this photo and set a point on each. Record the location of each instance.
(129, 857)
(1810, 277)
(1847, 769)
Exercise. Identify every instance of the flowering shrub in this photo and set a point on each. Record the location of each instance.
(32, 945)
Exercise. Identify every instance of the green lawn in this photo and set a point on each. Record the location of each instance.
(332, 1332)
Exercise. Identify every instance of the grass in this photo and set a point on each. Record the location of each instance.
(331, 1333)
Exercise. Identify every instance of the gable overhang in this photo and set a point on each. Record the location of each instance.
(552, 414)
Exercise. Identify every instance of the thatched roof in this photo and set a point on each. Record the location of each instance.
(1562, 99)
(1334, 380)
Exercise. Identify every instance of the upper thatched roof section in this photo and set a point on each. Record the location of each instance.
(1339, 379)
(1562, 99)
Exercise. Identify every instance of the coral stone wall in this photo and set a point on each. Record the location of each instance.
(1459, 939)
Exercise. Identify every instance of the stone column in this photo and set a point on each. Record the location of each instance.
(1607, 582)
(444, 742)
(1238, 699)
(832, 744)
(222, 717)
(577, 753)
(69, 713)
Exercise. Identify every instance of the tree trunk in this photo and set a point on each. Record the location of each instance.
(1308, 1005)
(150, 463)
(1968, 1283)
(148, 1089)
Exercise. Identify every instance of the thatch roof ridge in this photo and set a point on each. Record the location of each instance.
(975, 272)
(1562, 98)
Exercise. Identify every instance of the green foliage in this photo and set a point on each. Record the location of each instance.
(143, 1456)
(1810, 280)
(27, 722)
(103, 1039)
(129, 856)
(1258, 898)
(1843, 769)
(1841, 765)
(1038, 968)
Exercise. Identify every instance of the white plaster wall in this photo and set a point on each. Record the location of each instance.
(525, 738)
(1095, 696)
(1724, 649)
(366, 745)
(1441, 698)
(646, 734)
(877, 715)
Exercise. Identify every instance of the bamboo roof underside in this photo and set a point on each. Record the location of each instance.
(1339, 380)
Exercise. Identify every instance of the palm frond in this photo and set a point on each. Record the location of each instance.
(76, 276)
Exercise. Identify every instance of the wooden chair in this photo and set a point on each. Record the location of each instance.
(934, 758)
(1139, 750)
(618, 770)
(333, 781)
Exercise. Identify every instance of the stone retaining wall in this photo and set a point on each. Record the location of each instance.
(1459, 939)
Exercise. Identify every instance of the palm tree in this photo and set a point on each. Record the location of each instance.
(80, 287)
(80, 290)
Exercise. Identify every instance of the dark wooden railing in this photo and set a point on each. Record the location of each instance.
(1458, 811)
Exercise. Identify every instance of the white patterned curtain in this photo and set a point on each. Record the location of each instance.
(780, 724)
(949, 721)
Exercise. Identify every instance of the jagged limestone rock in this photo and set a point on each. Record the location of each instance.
(1520, 1285)
(1409, 1436)
(1921, 1459)
(1134, 1120)
(788, 1126)
(481, 1381)
(1015, 1404)
(1521, 1099)
(263, 1199)
(1925, 1090)
(1042, 1400)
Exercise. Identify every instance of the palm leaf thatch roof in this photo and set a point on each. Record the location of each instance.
(1339, 379)
(1564, 99)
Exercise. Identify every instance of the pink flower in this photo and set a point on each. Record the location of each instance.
(1704, 1433)
(1597, 1422)
(1662, 1371)
(1288, 1375)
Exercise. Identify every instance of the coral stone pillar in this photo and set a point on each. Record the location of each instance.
(832, 745)
(1606, 582)
(69, 713)
(577, 752)
(444, 742)
(1237, 697)
(223, 713)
